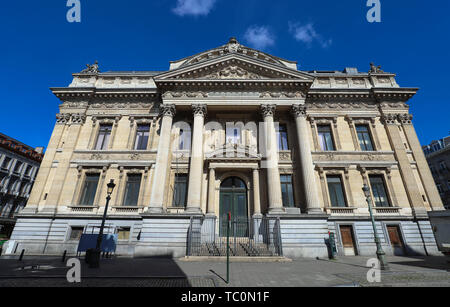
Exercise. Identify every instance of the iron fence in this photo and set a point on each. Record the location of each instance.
(257, 236)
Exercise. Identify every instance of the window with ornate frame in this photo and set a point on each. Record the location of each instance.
(336, 191)
(89, 190)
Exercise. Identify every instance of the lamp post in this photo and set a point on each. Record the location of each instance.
(380, 252)
(96, 257)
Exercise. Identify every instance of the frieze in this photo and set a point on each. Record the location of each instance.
(184, 94)
(296, 94)
(130, 105)
(355, 105)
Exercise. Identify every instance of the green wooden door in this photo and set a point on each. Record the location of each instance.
(233, 199)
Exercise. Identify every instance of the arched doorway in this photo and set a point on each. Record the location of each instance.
(233, 198)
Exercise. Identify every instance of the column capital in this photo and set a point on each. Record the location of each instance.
(199, 109)
(405, 119)
(268, 110)
(298, 110)
(167, 110)
(389, 119)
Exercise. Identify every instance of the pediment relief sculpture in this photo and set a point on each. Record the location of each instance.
(233, 72)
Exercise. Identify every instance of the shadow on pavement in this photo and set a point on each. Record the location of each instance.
(160, 271)
(430, 262)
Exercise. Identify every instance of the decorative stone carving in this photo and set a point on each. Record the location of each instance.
(78, 118)
(233, 46)
(233, 72)
(167, 110)
(352, 105)
(62, 118)
(170, 94)
(268, 110)
(389, 119)
(282, 95)
(405, 119)
(135, 156)
(97, 156)
(199, 109)
(298, 110)
(394, 105)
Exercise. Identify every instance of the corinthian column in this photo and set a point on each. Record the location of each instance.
(160, 174)
(271, 151)
(434, 198)
(196, 168)
(410, 183)
(304, 148)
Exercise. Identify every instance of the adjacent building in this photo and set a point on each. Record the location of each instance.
(233, 131)
(19, 164)
(438, 157)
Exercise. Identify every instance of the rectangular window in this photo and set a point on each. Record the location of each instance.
(185, 140)
(142, 135)
(132, 190)
(287, 192)
(5, 163)
(104, 135)
(336, 191)
(17, 167)
(89, 189)
(443, 166)
(282, 137)
(325, 138)
(379, 191)
(29, 170)
(233, 135)
(180, 190)
(365, 141)
(75, 233)
(123, 233)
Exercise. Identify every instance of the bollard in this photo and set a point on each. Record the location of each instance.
(21, 255)
(64, 256)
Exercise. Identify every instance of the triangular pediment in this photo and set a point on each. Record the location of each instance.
(234, 66)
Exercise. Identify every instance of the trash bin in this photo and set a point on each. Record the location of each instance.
(94, 258)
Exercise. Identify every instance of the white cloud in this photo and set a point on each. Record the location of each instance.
(307, 34)
(193, 7)
(259, 37)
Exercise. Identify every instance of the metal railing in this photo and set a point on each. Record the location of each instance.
(250, 237)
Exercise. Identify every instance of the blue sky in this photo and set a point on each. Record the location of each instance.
(40, 49)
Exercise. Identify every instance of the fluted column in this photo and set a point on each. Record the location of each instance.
(434, 198)
(304, 148)
(412, 189)
(256, 193)
(211, 191)
(196, 168)
(273, 173)
(160, 174)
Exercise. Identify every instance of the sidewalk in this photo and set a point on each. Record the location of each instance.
(163, 272)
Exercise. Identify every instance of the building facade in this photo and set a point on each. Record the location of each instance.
(438, 157)
(233, 129)
(19, 164)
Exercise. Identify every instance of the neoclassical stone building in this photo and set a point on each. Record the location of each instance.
(233, 129)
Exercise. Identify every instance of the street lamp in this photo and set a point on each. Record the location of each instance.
(380, 252)
(96, 257)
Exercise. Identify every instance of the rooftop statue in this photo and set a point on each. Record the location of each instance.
(375, 69)
(91, 69)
